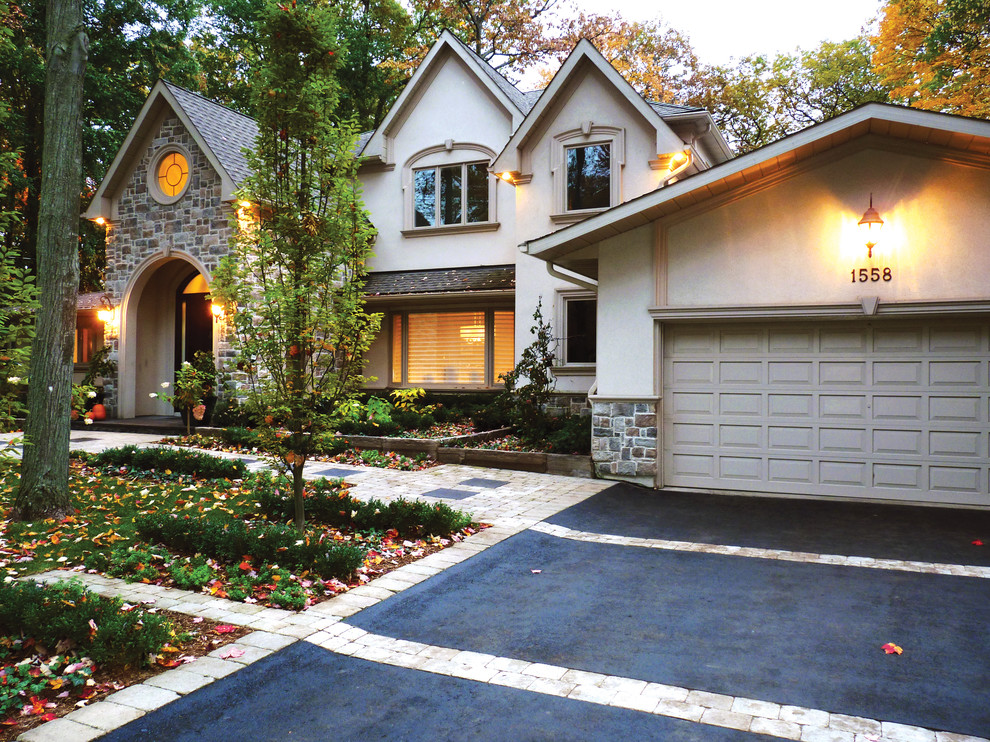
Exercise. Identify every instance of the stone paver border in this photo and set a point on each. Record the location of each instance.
(898, 565)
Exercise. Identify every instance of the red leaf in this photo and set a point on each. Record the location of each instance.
(891, 648)
(977, 542)
(225, 629)
(162, 662)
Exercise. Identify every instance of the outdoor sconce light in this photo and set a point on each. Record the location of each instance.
(216, 310)
(105, 312)
(100, 221)
(871, 224)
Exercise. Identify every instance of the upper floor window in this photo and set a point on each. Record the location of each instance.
(169, 175)
(589, 175)
(451, 194)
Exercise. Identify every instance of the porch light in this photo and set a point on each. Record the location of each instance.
(507, 177)
(100, 221)
(216, 310)
(871, 224)
(105, 312)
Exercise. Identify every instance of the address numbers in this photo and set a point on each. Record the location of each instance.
(864, 275)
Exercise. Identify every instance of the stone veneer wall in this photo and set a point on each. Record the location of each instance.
(198, 224)
(624, 440)
(568, 404)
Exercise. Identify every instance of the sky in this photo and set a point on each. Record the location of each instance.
(720, 29)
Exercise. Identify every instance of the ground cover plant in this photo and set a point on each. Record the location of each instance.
(172, 529)
(62, 647)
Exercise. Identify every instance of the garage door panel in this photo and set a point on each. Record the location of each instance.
(843, 373)
(791, 471)
(790, 438)
(899, 373)
(946, 443)
(791, 405)
(897, 408)
(955, 373)
(844, 473)
(740, 404)
(872, 409)
(844, 406)
(900, 340)
(854, 440)
(898, 476)
(949, 409)
(740, 372)
(784, 372)
(740, 436)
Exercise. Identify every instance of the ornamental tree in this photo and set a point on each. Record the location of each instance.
(293, 281)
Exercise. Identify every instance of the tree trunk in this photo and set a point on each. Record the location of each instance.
(298, 483)
(44, 490)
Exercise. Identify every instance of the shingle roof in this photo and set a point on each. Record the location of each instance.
(444, 280)
(90, 300)
(672, 109)
(225, 131)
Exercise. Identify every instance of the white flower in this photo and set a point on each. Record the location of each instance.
(153, 395)
(91, 395)
(89, 421)
(165, 385)
(14, 379)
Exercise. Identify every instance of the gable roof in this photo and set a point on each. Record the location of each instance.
(957, 138)
(515, 102)
(583, 55)
(218, 131)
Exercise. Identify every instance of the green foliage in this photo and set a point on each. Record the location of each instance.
(244, 437)
(571, 434)
(18, 300)
(230, 540)
(289, 594)
(67, 611)
(100, 365)
(372, 417)
(296, 275)
(193, 382)
(176, 461)
(19, 681)
(529, 386)
(329, 503)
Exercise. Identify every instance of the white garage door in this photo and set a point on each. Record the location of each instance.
(851, 409)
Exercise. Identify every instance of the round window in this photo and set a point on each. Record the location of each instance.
(171, 176)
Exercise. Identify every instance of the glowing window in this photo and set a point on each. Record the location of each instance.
(173, 173)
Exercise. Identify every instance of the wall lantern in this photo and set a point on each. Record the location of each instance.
(100, 221)
(108, 315)
(871, 224)
(216, 310)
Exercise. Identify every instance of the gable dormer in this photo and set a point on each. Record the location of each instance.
(452, 66)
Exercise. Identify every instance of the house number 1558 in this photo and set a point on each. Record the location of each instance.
(870, 274)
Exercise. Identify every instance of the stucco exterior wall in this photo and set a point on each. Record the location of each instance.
(797, 241)
(146, 238)
(453, 106)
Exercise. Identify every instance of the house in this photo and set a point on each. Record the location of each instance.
(751, 339)
(463, 169)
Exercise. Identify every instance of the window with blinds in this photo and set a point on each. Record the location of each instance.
(469, 348)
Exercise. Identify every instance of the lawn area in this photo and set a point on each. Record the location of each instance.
(227, 536)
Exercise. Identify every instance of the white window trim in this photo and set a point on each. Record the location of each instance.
(445, 155)
(560, 323)
(586, 135)
(153, 187)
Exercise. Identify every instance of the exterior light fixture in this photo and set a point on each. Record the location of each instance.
(507, 177)
(216, 310)
(100, 221)
(871, 224)
(105, 312)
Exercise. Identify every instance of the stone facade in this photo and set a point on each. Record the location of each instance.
(563, 405)
(624, 440)
(197, 225)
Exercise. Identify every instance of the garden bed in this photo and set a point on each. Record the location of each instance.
(429, 446)
(567, 465)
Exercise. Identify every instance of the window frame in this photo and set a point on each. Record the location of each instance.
(488, 382)
(438, 190)
(436, 158)
(588, 135)
(563, 363)
(153, 186)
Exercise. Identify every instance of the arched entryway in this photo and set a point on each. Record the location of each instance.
(166, 318)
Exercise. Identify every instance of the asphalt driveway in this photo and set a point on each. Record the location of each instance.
(806, 635)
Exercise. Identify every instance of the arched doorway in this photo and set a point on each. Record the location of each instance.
(166, 318)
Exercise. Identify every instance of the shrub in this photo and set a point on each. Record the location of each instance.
(236, 436)
(496, 415)
(413, 420)
(177, 461)
(572, 436)
(328, 444)
(229, 412)
(328, 503)
(229, 540)
(67, 611)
